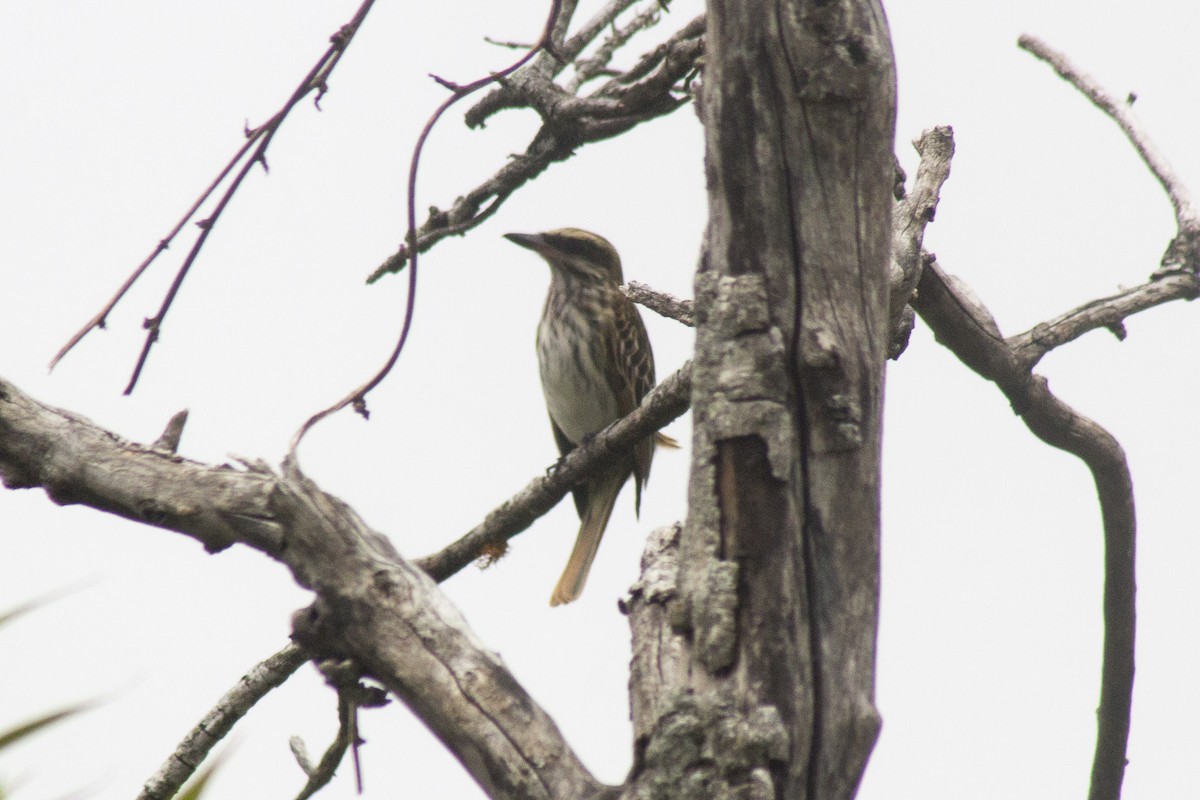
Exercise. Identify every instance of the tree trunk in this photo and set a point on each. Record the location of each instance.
(769, 686)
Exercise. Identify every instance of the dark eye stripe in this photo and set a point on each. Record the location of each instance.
(579, 247)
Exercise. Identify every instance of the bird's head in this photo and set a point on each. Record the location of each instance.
(574, 254)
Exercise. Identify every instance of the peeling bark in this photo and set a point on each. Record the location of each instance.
(779, 560)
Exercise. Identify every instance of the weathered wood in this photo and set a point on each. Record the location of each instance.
(779, 572)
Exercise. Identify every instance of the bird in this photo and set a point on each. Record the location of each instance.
(596, 365)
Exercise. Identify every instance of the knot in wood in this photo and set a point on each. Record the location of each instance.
(1182, 254)
(819, 350)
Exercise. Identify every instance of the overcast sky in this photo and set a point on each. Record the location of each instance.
(116, 115)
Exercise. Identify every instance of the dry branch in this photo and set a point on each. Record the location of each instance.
(253, 686)
(546, 65)
(1105, 312)
(258, 141)
(910, 215)
(1122, 114)
(660, 302)
(964, 326)
(371, 606)
(569, 123)
(1174, 280)
(371, 603)
(962, 323)
(664, 403)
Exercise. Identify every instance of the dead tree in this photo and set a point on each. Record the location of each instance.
(754, 622)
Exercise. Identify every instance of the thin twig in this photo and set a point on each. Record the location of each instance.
(665, 402)
(357, 398)
(660, 303)
(546, 66)
(190, 753)
(508, 45)
(321, 773)
(1121, 113)
(588, 68)
(315, 80)
(574, 122)
(1106, 312)
(101, 318)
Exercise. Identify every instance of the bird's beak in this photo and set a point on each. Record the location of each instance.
(532, 241)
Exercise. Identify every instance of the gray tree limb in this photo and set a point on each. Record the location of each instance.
(219, 721)
(371, 606)
(642, 93)
(1122, 114)
(962, 324)
(77, 462)
(664, 403)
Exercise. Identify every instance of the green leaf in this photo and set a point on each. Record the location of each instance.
(25, 729)
(194, 788)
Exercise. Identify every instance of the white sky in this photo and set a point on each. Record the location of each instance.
(116, 114)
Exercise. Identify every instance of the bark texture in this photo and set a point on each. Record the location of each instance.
(372, 607)
(777, 596)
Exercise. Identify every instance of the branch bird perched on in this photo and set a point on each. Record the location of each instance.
(596, 366)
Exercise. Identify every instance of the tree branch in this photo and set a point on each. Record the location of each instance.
(1183, 252)
(253, 686)
(909, 217)
(372, 605)
(963, 325)
(569, 123)
(1120, 113)
(388, 616)
(77, 462)
(1106, 312)
(588, 68)
(916, 210)
(547, 65)
(258, 140)
(664, 403)
(661, 303)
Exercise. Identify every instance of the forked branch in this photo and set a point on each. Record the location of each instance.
(554, 26)
(964, 326)
(258, 140)
(642, 93)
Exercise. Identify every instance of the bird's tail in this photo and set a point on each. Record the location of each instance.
(602, 495)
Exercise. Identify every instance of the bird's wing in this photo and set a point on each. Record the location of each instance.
(631, 376)
(565, 446)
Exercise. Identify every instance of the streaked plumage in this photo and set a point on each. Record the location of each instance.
(596, 366)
